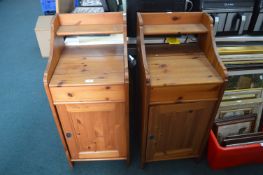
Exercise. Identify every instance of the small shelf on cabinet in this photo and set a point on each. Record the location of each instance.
(94, 29)
(174, 29)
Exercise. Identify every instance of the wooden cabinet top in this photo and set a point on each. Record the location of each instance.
(89, 65)
(183, 64)
(100, 64)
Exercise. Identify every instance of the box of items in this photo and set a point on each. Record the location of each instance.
(42, 31)
(48, 7)
(237, 136)
(220, 157)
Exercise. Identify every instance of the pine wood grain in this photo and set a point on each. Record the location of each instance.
(208, 46)
(56, 47)
(80, 66)
(178, 94)
(87, 88)
(114, 18)
(181, 85)
(89, 29)
(126, 89)
(179, 68)
(174, 29)
(170, 18)
(108, 93)
(174, 130)
(144, 93)
(96, 133)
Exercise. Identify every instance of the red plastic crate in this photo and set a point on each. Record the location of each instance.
(223, 157)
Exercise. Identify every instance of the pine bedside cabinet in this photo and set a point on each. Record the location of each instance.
(181, 85)
(87, 88)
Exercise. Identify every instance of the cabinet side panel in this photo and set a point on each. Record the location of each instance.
(144, 92)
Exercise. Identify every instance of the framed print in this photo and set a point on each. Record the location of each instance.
(230, 109)
(245, 102)
(239, 97)
(234, 126)
(245, 81)
(245, 135)
(243, 139)
(235, 112)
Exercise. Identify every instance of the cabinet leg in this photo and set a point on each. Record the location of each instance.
(200, 158)
(142, 164)
(71, 164)
(128, 161)
(202, 155)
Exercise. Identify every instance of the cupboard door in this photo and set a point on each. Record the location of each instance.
(177, 130)
(94, 131)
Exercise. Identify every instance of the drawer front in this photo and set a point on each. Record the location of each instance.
(114, 93)
(95, 131)
(184, 93)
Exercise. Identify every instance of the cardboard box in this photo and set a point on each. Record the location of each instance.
(42, 31)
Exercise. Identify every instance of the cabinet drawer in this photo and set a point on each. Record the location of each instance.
(88, 93)
(181, 93)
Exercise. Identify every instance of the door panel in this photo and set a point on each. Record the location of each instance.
(94, 131)
(177, 130)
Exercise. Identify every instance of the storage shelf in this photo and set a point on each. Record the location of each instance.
(175, 29)
(68, 30)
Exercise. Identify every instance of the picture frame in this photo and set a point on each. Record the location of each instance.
(224, 114)
(245, 135)
(260, 127)
(234, 101)
(245, 81)
(234, 126)
(243, 139)
(236, 108)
